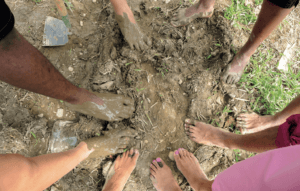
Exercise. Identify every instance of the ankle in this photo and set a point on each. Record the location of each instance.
(203, 185)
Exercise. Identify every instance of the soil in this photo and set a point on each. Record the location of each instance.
(178, 77)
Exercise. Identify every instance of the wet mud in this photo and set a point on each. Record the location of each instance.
(175, 77)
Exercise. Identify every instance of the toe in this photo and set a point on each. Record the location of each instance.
(159, 162)
(137, 47)
(181, 153)
(154, 162)
(147, 41)
(131, 152)
(190, 121)
(152, 170)
(136, 154)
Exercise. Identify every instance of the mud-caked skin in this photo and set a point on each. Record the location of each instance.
(113, 142)
(185, 16)
(132, 33)
(114, 108)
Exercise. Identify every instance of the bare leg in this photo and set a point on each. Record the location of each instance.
(23, 66)
(251, 123)
(268, 19)
(123, 167)
(206, 134)
(162, 177)
(189, 166)
(129, 27)
(202, 9)
(41, 171)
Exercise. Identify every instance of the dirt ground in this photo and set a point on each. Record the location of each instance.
(178, 77)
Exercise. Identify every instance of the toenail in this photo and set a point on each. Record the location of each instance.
(187, 120)
(176, 152)
(179, 149)
(158, 160)
(153, 161)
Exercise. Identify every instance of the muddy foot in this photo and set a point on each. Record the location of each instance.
(132, 33)
(251, 123)
(189, 166)
(162, 177)
(113, 142)
(185, 16)
(204, 134)
(120, 171)
(235, 69)
(114, 107)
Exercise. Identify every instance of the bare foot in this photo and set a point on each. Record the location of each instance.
(132, 33)
(185, 16)
(251, 123)
(162, 177)
(204, 134)
(189, 166)
(121, 170)
(235, 69)
(106, 106)
(113, 142)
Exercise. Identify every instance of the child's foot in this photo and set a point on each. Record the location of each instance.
(189, 166)
(204, 133)
(185, 16)
(121, 170)
(252, 123)
(162, 177)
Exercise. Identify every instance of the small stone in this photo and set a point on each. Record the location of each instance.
(146, 141)
(81, 23)
(94, 1)
(84, 14)
(106, 168)
(70, 69)
(219, 101)
(171, 155)
(60, 113)
(80, 53)
(41, 115)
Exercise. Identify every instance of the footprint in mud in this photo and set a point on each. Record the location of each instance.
(113, 142)
(114, 108)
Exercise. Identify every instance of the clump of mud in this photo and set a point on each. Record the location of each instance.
(178, 77)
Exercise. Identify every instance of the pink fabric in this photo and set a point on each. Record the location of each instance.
(275, 170)
(289, 132)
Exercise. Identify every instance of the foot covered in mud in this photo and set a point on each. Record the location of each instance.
(112, 108)
(252, 123)
(204, 134)
(162, 177)
(235, 69)
(113, 142)
(185, 16)
(132, 33)
(189, 166)
(121, 170)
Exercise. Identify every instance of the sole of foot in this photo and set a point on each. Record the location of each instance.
(121, 170)
(252, 123)
(189, 166)
(162, 177)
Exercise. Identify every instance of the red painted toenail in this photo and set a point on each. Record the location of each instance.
(158, 160)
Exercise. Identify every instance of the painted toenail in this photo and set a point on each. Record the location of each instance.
(179, 149)
(187, 120)
(176, 152)
(158, 160)
(153, 161)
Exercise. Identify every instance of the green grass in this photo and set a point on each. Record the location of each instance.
(37, 1)
(69, 4)
(273, 89)
(239, 13)
(237, 154)
(258, 2)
